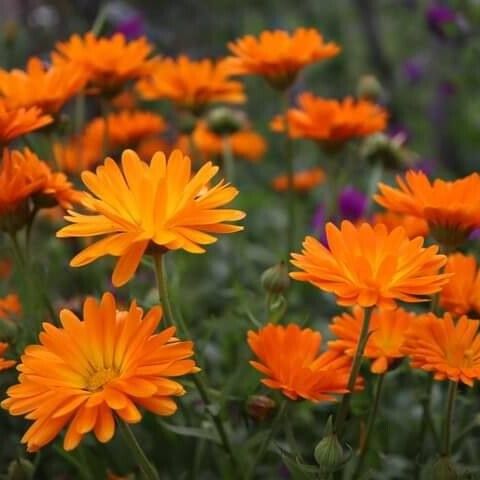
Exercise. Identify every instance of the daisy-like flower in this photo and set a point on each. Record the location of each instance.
(451, 208)
(38, 86)
(4, 363)
(15, 122)
(109, 63)
(367, 266)
(87, 373)
(387, 329)
(447, 349)
(414, 226)
(191, 84)
(291, 361)
(278, 56)
(150, 205)
(462, 294)
(303, 181)
(10, 305)
(332, 122)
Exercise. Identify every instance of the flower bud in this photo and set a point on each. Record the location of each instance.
(329, 454)
(10, 32)
(260, 407)
(186, 123)
(20, 469)
(225, 121)
(275, 279)
(369, 88)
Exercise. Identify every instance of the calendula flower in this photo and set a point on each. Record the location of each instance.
(462, 294)
(150, 205)
(10, 305)
(278, 55)
(332, 122)
(387, 330)
(39, 86)
(370, 266)
(303, 181)
(291, 361)
(414, 226)
(448, 349)
(451, 208)
(5, 267)
(109, 63)
(4, 364)
(88, 372)
(78, 154)
(192, 84)
(15, 122)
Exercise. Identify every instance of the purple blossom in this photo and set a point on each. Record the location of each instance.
(132, 26)
(427, 165)
(352, 204)
(439, 18)
(413, 70)
(318, 220)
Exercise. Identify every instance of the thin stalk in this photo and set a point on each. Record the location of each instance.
(266, 441)
(447, 425)
(105, 109)
(344, 406)
(375, 177)
(228, 159)
(147, 468)
(370, 422)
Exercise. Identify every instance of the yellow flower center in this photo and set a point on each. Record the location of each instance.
(100, 378)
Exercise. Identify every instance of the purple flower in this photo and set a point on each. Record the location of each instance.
(413, 70)
(427, 165)
(352, 204)
(475, 235)
(318, 220)
(439, 18)
(132, 26)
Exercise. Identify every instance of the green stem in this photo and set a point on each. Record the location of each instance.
(447, 425)
(371, 421)
(228, 159)
(147, 468)
(266, 441)
(375, 177)
(344, 406)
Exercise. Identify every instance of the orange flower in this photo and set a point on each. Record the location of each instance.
(279, 56)
(84, 372)
(149, 146)
(49, 89)
(4, 364)
(414, 226)
(370, 266)
(141, 206)
(462, 294)
(451, 208)
(289, 358)
(387, 329)
(10, 305)
(332, 122)
(192, 84)
(450, 350)
(18, 121)
(5, 267)
(109, 63)
(302, 181)
(79, 154)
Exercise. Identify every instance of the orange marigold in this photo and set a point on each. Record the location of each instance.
(370, 266)
(302, 181)
(289, 357)
(332, 122)
(4, 364)
(144, 205)
(387, 329)
(451, 208)
(38, 86)
(78, 154)
(447, 349)
(85, 371)
(414, 226)
(192, 84)
(462, 294)
(278, 55)
(10, 305)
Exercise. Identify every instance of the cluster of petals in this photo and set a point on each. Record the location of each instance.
(303, 181)
(290, 359)
(158, 204)
(4, 363)
(414, 226)
(448, 349)
(10, 305)
(86, 373)
(370, 266)
(387, 334)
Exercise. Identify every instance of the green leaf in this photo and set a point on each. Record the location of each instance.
(190, 432)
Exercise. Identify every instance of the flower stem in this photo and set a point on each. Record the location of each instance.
(228, 159)
(344, 406)
(447, 425)
(370, 422)
(147, 468)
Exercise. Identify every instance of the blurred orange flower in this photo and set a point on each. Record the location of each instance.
(414, 226)
(5, 364)
(370, 266)
(447, 349)
(387, 329)
(289, 358)
(142, 206)
(78, 154)
(278, 55)
(46, 88)
(10, 305)
(192, 84)
(332, 122)
(5, 267)
(88, 372)
(302, 181)
(462, 294)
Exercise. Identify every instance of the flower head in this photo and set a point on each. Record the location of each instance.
(414, 226)
(144, 205)
(352, 203)
(303, 181)
(192, 84)
(370, 266)
(289, 358)
(4, 364)
(87, 372)
(447, 349)
(387, 329)
(278, 55)
(10, 305)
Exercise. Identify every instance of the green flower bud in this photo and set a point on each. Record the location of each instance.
(186, 123)
(20, 469)
(260, 407)
(225, 121)
(275, 279)
(369, 88)
(329, 454)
